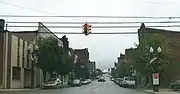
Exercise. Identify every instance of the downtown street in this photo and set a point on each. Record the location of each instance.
(95, 87)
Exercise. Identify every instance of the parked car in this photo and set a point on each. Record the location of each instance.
(119, 81)
(175, 85)
(97, 77)
(52, 83)
(76, 82)
(102, 79)
(112, 79)
(84, 82)
(89, 80)
(128, 82)
(115, 81)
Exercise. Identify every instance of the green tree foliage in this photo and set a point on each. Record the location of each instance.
(65, 65)
(122, 69)
(142, 55)
(52, 57)
(99, 72)
(49, 54)
(82, 72)
(113, 72)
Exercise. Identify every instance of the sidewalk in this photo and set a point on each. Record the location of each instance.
(12, 90)
(163, 91)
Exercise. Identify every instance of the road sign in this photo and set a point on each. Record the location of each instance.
(155, 78)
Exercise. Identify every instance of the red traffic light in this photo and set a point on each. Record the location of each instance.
(86, 29)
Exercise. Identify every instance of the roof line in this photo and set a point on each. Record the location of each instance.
(48, 30)
(163, 30)
(35, 31)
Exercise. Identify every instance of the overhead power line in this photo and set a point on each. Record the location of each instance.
(80, 32)
(25, 7)
(125, 22)
(133, 26)
(92, 16)
(28, 8)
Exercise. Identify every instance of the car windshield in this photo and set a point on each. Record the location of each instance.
(131, 79)
(52, 79)
(83, 80)
(177, 81)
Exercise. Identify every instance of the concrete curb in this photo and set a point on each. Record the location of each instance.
(16, 90)
(162, 92)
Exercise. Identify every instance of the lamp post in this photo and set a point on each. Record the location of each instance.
(32, 50)
(155, 72)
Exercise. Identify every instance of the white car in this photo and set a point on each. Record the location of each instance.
(76, 82)
(52, 83)
(84, 82)
(89, 80)
(128, 82)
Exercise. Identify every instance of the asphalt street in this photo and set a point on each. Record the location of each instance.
(94, 88)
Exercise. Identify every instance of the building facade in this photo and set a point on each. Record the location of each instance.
(17, 62)
(17, 66)
(83, 56)
(173, 39)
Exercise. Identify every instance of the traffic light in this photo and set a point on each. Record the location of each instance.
(86, 29)
(89, 28)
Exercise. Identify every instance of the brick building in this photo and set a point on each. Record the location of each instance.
(83, 56)
(83, 63)
(173, 38)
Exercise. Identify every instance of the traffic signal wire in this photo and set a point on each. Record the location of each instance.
(139, 17)
(123, 22)
(77, 32)
(133, 26)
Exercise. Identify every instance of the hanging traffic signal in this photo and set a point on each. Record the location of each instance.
(89, 28)
(86, 29)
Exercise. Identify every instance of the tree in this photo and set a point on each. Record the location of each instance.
(122, 69)
(65, 65)
(99, 72)
(113, 72)
(81, 72)
(49, 54)
(142, 56)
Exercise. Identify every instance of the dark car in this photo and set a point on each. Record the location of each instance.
(101, 80)
(175, 85)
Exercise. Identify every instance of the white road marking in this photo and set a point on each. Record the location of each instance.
(96, 90)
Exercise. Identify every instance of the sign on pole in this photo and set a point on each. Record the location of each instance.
(155, 78)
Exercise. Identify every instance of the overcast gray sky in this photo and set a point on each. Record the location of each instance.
(104, 49)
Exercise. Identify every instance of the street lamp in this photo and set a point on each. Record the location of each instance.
(32, 49)
(159, 49)
(155, 77)
(151, 50)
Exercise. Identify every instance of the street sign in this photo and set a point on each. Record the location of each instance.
(155, 78)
